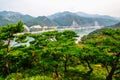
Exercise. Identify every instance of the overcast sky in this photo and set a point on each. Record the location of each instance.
(47, 7)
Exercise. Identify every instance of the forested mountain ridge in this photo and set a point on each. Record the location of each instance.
(13, 17)
(96, 16)
(60, 19)
(4, 21)
(41, 20)
(115, 26)
(83, 19)
(98, 31)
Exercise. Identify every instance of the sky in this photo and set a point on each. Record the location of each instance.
(48, 7)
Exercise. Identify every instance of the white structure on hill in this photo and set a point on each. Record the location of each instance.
(74, 24)
(40, 28)
(36, 26)
(26, 28)
(97, 25)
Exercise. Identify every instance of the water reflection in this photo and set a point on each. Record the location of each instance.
(80, 32)
(16, 44)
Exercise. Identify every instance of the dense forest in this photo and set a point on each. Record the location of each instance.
(54, 55)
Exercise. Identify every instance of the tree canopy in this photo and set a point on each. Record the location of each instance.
(55, 55)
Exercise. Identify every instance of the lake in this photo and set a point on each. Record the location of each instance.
(80, 32)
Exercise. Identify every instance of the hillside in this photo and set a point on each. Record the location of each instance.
(41, 20)
(58, 19)
(115, 26)
(13, 17)
(67, 18)
(4, 21)
(83, 19)
(98, 31)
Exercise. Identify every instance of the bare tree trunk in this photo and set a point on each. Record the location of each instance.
(109, 77)
(106, 68)
(65, 64)
(114, 67)
(7, 66)
(56, 71)
(6, 61)
(56, 68)
(89, 66)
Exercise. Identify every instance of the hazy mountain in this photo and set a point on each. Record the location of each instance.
(13, 17)
(9, 13)
(57, 15)
(83, 19)
(95, 15)
(61, 19)
(41, 20)
(67, 18)
(118, 18)
(3, 21)
(98, 31)
(7, 17)
(115, 26)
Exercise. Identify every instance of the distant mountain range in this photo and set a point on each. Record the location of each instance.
(98, 31)
(58, 19)
(40, 20)
(83, 19)
(115, 26)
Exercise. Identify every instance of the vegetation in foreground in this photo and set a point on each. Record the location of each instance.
(55, 56)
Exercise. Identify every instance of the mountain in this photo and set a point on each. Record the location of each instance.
(83, 19)
(9, 13)
(7, 17)
(60, 19)
(98, 31)
(41, 20)
(94, 15)
(4, 21)
(56, 15)
(115, 26)
(13, 17)
(67, 18)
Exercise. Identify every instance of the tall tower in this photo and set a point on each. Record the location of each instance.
(96, 25)
(74, 24)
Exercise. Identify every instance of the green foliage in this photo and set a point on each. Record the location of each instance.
(19, 76)
(38, 78)
(14, 76)
(54, 55)
(108, 48)
(11, 29)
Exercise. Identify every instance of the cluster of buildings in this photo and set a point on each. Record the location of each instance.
(39, 28)
(74, 26)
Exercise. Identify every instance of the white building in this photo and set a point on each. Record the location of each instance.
(35, 28)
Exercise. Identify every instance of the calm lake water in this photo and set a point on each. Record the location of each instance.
(81, 33)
